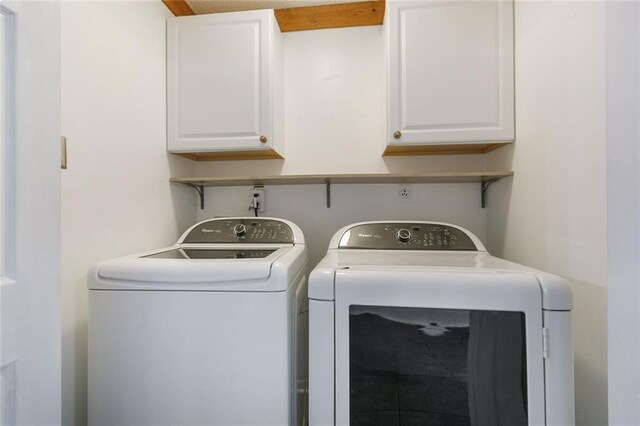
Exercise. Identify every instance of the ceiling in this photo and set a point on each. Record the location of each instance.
(216, 6)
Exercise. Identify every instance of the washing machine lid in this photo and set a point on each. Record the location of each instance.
(221, 254)
(201, 268)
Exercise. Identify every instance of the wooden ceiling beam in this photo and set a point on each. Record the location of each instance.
(358, 14)
(178, 7)
(331, 16)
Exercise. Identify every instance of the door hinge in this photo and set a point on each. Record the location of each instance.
(63, 153)
(545, 342)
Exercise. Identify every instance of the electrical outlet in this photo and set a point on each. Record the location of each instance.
(258, 193)
(404, 194)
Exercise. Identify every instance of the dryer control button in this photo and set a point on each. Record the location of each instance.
(239, 230)
(403, 235)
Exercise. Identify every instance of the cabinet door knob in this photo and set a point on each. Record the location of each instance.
(263, 139)
(397, 134)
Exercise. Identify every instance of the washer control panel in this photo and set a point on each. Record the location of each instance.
(251, 231)
(406, 236)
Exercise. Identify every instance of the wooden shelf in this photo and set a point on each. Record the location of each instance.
(263, 154)
(484, 178)
(464, 177)
(451, 149)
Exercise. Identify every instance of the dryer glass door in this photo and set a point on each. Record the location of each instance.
(428, 366)
(438, 349)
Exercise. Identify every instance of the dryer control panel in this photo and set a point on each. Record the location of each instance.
(406, 236)
(250, 231)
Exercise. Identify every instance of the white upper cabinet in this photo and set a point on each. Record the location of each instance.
(450, 74)
(224, 86)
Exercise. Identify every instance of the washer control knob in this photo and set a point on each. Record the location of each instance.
(239, 230)
(404, 235)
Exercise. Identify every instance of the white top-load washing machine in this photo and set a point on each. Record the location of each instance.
(210, 331)
(414, 323)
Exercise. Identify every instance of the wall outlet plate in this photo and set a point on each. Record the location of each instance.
(258, 193)
(404, 193)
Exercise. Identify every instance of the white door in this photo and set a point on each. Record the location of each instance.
(30, 213)
(438, 347)
(622, 23)
(450, 71)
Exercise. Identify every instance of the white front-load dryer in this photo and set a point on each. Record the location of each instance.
(415, 323)
(209, 331)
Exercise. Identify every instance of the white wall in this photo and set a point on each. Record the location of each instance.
(116, 198)
(552, 214)
(623, 173)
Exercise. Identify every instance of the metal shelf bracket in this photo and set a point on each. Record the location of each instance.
(483, 190)
(200, 190)
(328, 184)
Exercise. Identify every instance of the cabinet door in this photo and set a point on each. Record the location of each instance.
(219, 82)
(450, 75)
